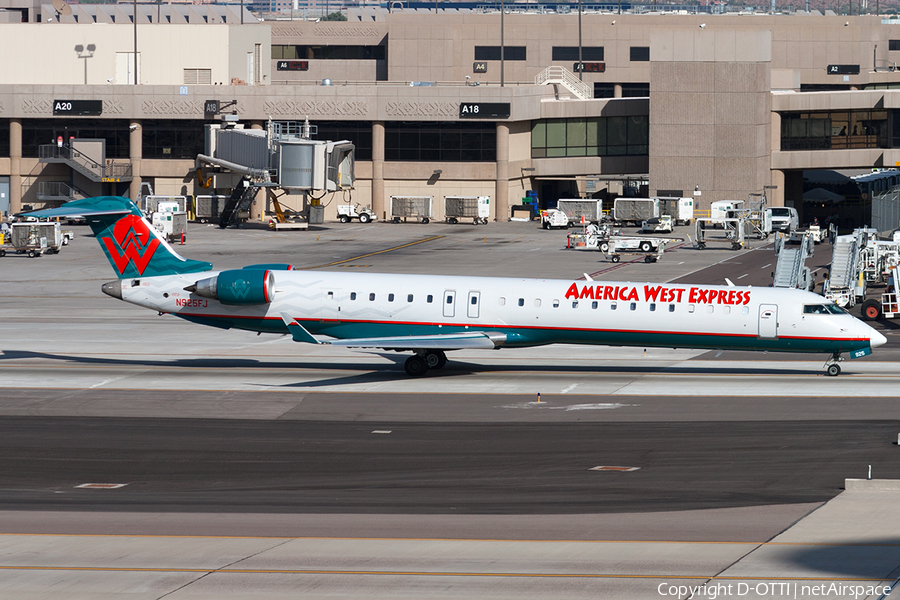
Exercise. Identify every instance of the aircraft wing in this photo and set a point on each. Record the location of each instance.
(447, 341)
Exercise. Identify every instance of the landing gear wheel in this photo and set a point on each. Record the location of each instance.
(345, 219)
(871, 310)
(415, 366)
(645, 246)
(833, 370)
(435, 359)
(616, 258)
(364, 218)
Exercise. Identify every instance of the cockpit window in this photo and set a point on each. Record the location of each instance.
(822, 309)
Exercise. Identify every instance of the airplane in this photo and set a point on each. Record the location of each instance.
(430, 315)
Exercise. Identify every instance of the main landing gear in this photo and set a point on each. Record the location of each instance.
(832, 368)
(419, 363)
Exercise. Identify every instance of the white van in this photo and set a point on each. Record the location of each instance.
(780, 218)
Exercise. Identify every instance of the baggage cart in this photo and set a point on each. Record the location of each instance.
(650, 248)
(477, 208)
(417, 207)
(208, 208)
(581, 211)
(634, 210)
(36, 238)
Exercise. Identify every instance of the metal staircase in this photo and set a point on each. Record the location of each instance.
(242, 197)
(791, 270)
(59, 190)
(557, 75)
(843, 285)
(112, 171)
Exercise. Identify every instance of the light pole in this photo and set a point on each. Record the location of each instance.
(580, 64)
(502, 10)
(85, 54)
(134, 18)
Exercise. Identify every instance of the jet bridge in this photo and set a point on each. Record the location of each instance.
(284, 157)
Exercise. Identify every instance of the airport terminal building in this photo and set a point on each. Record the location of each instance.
(664, 104)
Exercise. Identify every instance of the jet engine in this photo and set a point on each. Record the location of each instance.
(239, 287)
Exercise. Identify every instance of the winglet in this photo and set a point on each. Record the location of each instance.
(298, 332)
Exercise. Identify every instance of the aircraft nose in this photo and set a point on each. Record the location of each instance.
(876, 339)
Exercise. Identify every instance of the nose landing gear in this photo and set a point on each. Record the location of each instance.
(832, 368)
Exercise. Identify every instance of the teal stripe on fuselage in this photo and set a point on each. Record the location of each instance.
(527, 336)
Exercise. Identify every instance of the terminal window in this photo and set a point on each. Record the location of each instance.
(329, 52)
(596, 136)
(445, 142)
(171, 139)
(640, 53)
(893, 45)
(570, 53)
(835, 130)
(493, 53)
(38, 132)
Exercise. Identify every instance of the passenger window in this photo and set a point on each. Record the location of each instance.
(390, 297)
(537, 302)
(409, 298)
(331, 295)
(652, 307)
(634, 306)
(521, 301)
(555, 303)
(710, 308)
(690, 308)
(575, 304)
(449, 299)
(726, 310)
(353, 295)
(502, 301)
(371, 297)
(595, 304)
(474, 300)
(612, 306)
(745, 310)
(429, 299)
(671, 308)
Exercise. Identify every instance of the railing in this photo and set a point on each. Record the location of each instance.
(59, 189)
(564, 77)
(113, 170)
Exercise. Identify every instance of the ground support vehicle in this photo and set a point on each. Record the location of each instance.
(172, 224)
(348, 212)
(209, 207)
(36, 238)
(815, 233)
(581, 211)
(651, 248)
(888, 306)
(846, 284)
(734, 231)
(634, 210)
(417, 207)
(680, 209)
(553, 217)
(592, 237)
(660, 224)
(477, 208)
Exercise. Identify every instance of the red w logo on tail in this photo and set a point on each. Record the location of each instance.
(129, 231)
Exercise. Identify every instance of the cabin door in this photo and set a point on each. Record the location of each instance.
(768, 321)
(472, 306)
(449, 303)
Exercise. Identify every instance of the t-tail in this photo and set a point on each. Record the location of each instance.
(133, 246)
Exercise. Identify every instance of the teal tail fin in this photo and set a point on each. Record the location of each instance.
(133, 246)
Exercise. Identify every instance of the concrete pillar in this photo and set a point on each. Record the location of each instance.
(135, 153)
(15, 166)
(501, 206)
(257, 125)
(617, 90)
(378, 205)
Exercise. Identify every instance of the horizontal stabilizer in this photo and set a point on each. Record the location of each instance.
(298, 331)
(449, 341)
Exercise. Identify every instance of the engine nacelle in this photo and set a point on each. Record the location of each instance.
(238, 286)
